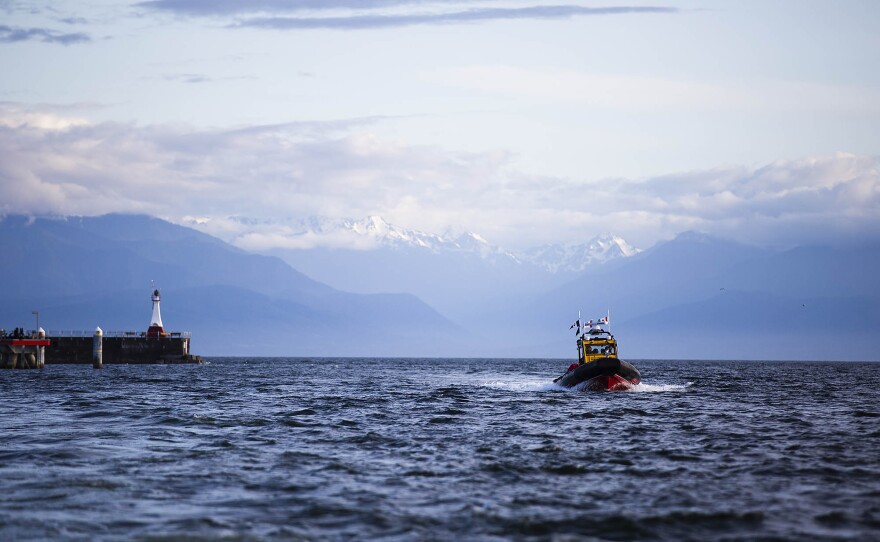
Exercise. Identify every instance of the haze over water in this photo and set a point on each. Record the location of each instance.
(409, 449)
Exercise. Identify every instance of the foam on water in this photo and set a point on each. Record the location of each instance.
(655, 388)
(536, 385)
(521, 385)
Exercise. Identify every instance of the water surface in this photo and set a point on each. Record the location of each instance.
(411, 449)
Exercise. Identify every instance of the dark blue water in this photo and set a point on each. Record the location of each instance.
(292, 449)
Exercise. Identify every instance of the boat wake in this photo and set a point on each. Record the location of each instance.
(522, 385)
(655, 388)
(543, 385)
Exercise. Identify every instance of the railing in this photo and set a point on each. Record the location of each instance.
(121, 334)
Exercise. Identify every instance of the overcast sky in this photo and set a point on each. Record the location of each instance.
(523, 121)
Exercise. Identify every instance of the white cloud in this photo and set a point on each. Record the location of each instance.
(18, 117)
(628, 92)
(653, 94)
(271, 174)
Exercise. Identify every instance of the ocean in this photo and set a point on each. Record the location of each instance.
(439, 449)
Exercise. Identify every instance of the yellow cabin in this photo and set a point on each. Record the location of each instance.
(596, 344)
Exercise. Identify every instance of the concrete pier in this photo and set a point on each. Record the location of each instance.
(21, 350)
(129, 347)
(28, 349)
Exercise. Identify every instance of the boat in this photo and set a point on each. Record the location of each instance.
(598, 367)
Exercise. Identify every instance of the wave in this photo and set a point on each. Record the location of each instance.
(544, 385)
(521, 385)
(655, 388)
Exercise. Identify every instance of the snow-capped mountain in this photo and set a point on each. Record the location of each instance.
(374, 233)
(578, 257)
(387, 235)
(553, 258)
(384, 234)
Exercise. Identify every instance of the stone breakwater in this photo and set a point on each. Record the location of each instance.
(124, 347)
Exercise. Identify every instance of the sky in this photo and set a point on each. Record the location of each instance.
(526, 122)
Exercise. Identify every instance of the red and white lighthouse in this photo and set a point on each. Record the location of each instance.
(156, 329)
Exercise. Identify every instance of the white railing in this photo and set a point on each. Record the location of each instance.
(123, 334)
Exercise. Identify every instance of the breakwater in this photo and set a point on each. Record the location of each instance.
(77, 347)
(19, 350)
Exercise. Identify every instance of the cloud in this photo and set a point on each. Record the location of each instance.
(201, 78)
(12, 34)
(816, 199)
(187, 77)
(75, 20)
(58, 166)
(269, 176)
(234, 7)
(267, 235)
(47, 118)
(640, 93)
(355, 19)
(361, 22)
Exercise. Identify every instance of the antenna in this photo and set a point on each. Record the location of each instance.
(580, 325)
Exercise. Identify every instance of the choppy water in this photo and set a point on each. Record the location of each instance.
(403, 450)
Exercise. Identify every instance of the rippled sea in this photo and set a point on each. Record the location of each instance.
(427, 449)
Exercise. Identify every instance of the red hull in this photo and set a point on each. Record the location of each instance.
(610, 383)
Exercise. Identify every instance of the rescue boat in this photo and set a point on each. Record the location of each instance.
(598, 367)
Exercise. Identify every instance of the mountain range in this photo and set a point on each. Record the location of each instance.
(375, 233)
(86, 272)
(417, 294)
(451, 272)
(702, 297)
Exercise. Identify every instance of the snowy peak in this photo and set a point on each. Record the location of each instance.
(375, 232)
(578, 257)
(612, 246)
(384, 234)
(373, 226)
(474, 243)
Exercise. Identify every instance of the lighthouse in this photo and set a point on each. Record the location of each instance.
(156, 330)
